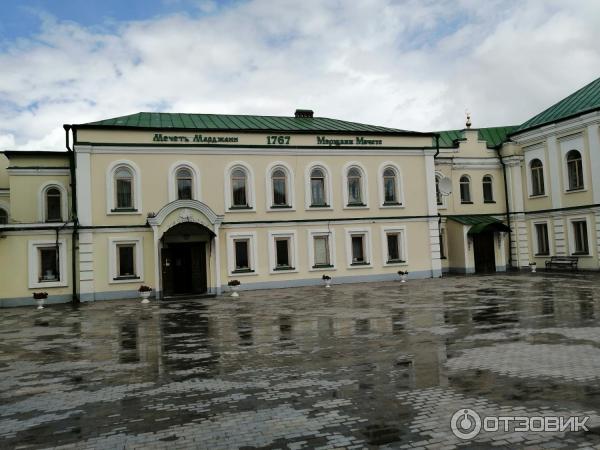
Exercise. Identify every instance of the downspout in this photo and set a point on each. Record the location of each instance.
(510, 261)
(75, 235)
(440, 243)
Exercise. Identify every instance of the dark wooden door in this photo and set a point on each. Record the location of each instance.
(199, 278)
(184, 269)
(167, 272)
(485, 255)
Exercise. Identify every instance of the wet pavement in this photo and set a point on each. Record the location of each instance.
(354, 366)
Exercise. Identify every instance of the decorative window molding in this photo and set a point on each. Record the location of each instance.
(292, 249)
(250, 236)
(113, 263)
(308, 189)
(318, 233)
(35, 263)
(111, 204)
(64, 202)
(366, 248)
(573, 236)
(196, 180)
(402, 248)
(569, 145)
(441, 200)
(398, 184)
(536, 238)
(289, 187)
(537, 152)
(364, 182)
(250, 193)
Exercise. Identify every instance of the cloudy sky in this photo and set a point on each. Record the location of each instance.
(406, 64)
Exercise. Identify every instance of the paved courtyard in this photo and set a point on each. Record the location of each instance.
(354, 366)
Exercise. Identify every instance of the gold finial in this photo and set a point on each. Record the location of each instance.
(468, 119)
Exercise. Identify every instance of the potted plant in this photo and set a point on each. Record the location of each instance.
(533, 267)
(327, 280)
(235, 287)
(145, 292)
(403, 274)
(40, 298)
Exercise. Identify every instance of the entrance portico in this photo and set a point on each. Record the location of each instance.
(186, 249)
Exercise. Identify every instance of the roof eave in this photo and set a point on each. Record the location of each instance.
(553, 122)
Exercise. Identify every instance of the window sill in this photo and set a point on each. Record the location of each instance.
(541, 255)
(48, 284)
(118, 280)
(466, 203)
(574, 191)
(242, 272)
(392, 205)
(489, 201)
(283, 269)
(534, 196)
(241, 208)
(581, 254)
(360, 265)
(395, 261)
(280, 207)
(319, 208)
(124, 211)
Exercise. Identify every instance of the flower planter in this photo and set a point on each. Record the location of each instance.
(533, 267)
(145, 295)
(234, 291)
(40, 303)
(402, 278)
(327, 283)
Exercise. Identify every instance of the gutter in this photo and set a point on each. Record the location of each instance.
(510, 261)
(75, 234)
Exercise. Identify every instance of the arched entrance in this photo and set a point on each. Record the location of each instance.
(185, 253)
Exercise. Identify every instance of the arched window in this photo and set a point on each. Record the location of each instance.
(124, 188)
(317, 188)
(354, 187)
(574, 170)
(537, 177)
(488, 189)
(53, 205)
(239, 188)
(3, 217)
(438, 195)
(465, 189)
(279, 180)
(390, 187)
(185, 183)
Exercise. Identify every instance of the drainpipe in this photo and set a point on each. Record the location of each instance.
(437, 152)
(75, 235)
(510, 261)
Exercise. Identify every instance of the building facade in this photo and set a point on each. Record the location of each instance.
(186, 203)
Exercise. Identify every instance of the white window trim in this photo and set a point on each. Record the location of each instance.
(399, 185)
(530, 155)
(368, 247)
(565, 169)
(252, 254)
(34, 263)
(172, 186)
(493, 200)
(311, 249)
(536, 249)
(250, 193)
(64, 208)
(571, 235)
(444, 204)
(293, 250)
(328, 187)
(289, 186)
(363, 185)
(110, 188)
(403, 248)
(112, 259)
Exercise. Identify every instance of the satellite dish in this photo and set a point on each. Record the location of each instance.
(445, 186)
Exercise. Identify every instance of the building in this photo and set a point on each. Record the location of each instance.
(186, 203)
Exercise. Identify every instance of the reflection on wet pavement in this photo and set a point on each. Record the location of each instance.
(354, 366)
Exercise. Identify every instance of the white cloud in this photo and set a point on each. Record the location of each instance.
(411, 64)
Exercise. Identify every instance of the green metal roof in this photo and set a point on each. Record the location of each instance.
(493, 135)
(228, 122)
(480, 224)
(584, 100)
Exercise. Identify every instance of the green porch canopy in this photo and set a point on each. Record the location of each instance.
(480, 224)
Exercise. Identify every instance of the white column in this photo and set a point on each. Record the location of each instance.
(434, 231)
(519, 236)
(594, 153)
(217, 253)
(86, 266)
(83, 172)
(554, 169)
(157, 264)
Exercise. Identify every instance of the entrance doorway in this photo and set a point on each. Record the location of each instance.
(485, 255)
(184, 260)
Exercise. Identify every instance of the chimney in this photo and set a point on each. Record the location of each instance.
(304, 113)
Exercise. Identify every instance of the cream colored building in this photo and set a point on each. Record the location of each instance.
(186, 203)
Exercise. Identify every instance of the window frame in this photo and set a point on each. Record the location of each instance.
(308, 188)
(491, 184)
(579, 169)
(250, 193)
(572, 237)
(330, 234)
(468, 183)
(289, 187)
(34, 263)
(536, 238)
(42, 202)
(113, 259)
(397, 184)
(539, 170)
(364, 182)
(291, 236)
(403, 251)
(252, 253)
(111, 205)
(367, 248)
(196, 180)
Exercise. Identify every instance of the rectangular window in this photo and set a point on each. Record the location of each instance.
(580, 237)
(184, 189)
(488, 193)
(242, 260)
(321, 249)
(48, 258)
(279, 197)
(282, 253)
(543, 245)
(393, 246)
(239, 192)
(317, 190)
(465, 192)
(354, 193)
(124, 197)
(54, 213)
(126, 261)
(358, 249)
(390, 190)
